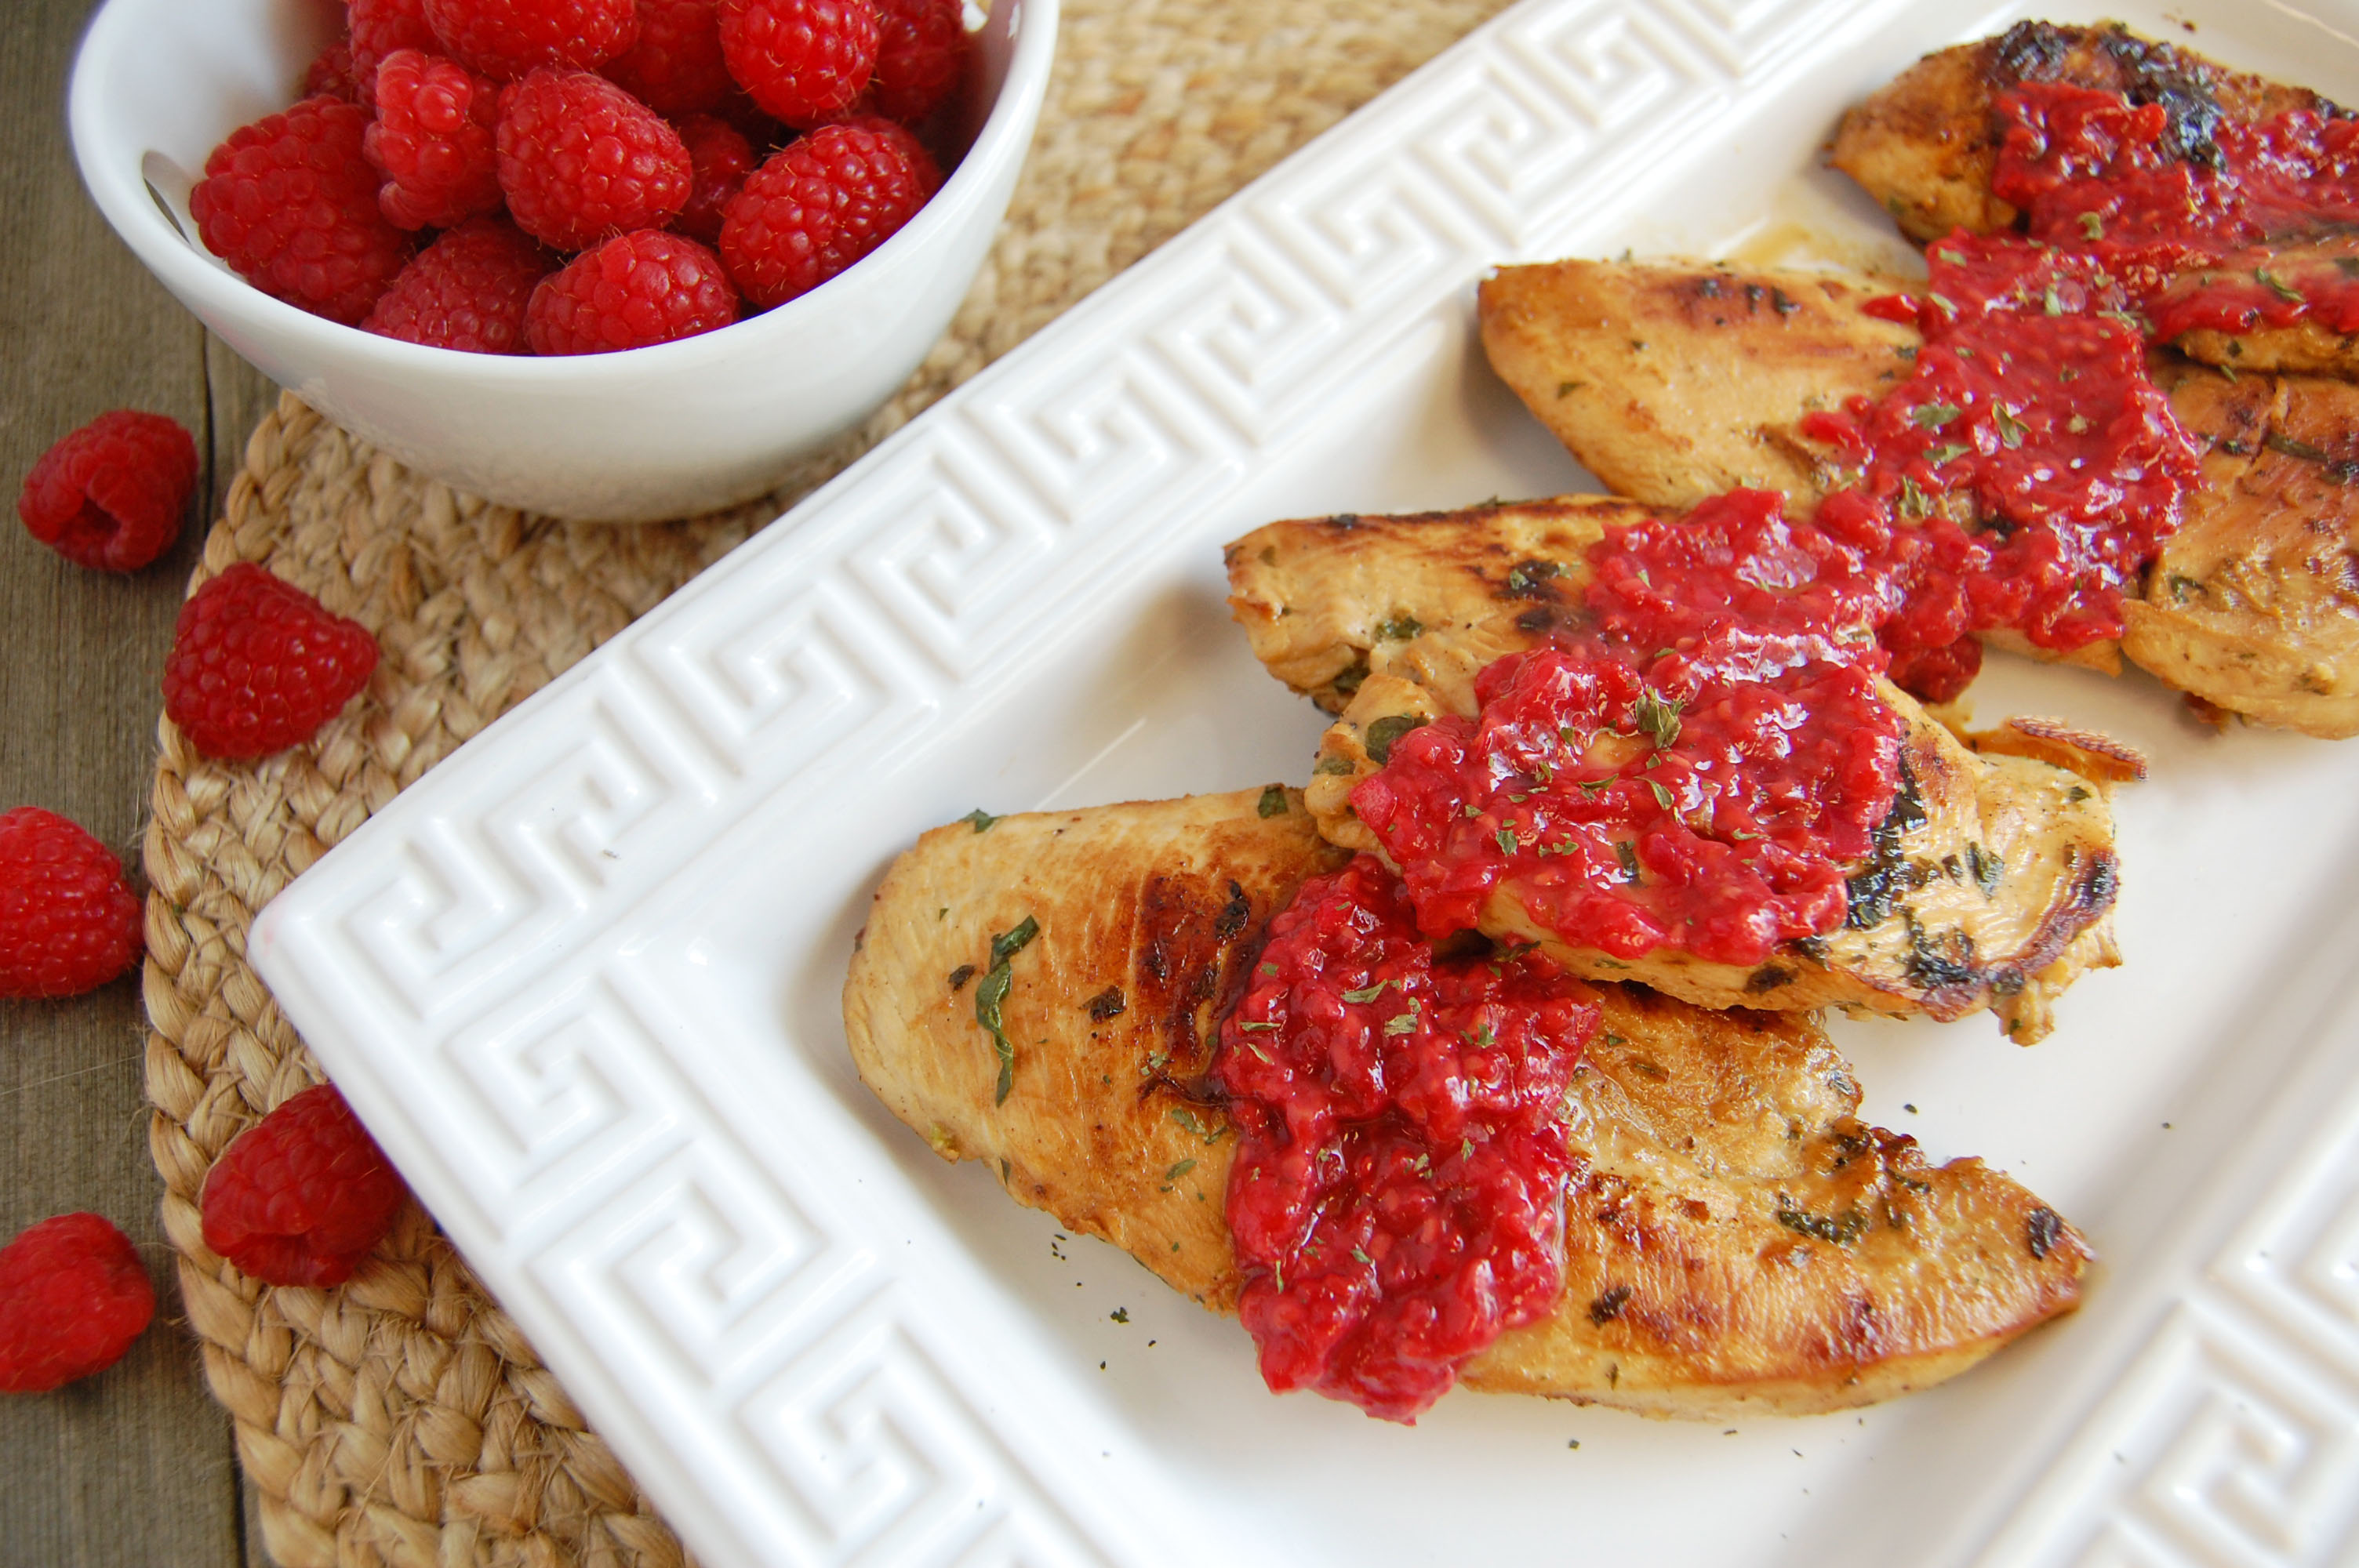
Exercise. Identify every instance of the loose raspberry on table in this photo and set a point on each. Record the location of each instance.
(68, 923)
(634, 290)
(376, 28)
(73, 1296)
(721, 157)
(258, 665)
(113, 494)
(329, 74)
(303, 1196)
(803, 61)
(675, 68)
(582, 159)
(467, 291)
(290, 203)
(822, 204)
(434, 139)
(920, 50)
(506, 38)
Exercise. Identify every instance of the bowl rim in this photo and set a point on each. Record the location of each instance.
(123, 197)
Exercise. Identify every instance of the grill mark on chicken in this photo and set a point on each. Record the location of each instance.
(1685, 1294)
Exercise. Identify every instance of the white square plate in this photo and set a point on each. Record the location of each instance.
(582, 981)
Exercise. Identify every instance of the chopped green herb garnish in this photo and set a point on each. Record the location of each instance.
(1944, 452)
(1364, 1258)
(1933, 415)
(2010, 429)
(1399, 627)
(2051, 302)
(2278, 286)
(1657, 716)
(1629, 859)
(981, 818)
(1383, 732)
(1403, 1023)
(1273, 801)
(1508, 841)
(1662, 795)
(1251, 1025)
(1188, 1119)
(1524, 576)
(1943, 303)
(991, 996)
(2092, 226)
(1367, 994)
(1913, 499)
(1177, 1171)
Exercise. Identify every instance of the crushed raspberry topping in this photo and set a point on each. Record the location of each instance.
(1396, 1199)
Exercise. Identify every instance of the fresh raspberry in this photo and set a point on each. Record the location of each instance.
(258, 664)
(68, 923)
(72, 1298)
(821, 205)
(722, 158)
(580, 159)
(803, 61)
(467, 291)
(675, 68)
(920, 50)
(329, 74)
(506, 38)
(432, 138)
(634, 290)
(290, 203)
(376, 28)
(303, 1195)
(111, 494)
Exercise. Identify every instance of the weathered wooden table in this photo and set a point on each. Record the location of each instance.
(131, 1467)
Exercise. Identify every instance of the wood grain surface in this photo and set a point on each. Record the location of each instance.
(134, 1467)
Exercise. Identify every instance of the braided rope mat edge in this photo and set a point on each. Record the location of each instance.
(402, 1418)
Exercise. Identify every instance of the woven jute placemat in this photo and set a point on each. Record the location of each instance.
(402, 1418)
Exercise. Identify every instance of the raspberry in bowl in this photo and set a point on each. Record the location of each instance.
(659, 382)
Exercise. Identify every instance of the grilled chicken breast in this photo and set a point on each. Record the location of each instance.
(2252, 606)
(1998, 898)
(2253, 603)
(1925, 145)
(1676, 382)
(1736, 1239)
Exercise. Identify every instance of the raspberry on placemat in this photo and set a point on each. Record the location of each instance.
(432, 138)
(675, 68)
(74, 1295)
(582, 159)
(634, 290)
(721, 157)
(111, 494)
(467, 291)
(258, 665)
(505, 38)
(302, 1196)
(68, 923)
(803, 61)
(822, 204)
(920, 50)
(290, 203)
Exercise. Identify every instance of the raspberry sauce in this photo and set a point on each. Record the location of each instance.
(1396, 1200)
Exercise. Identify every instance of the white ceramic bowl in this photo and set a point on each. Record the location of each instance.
(656, 432)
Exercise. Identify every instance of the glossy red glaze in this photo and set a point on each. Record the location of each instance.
(1396, 1199)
